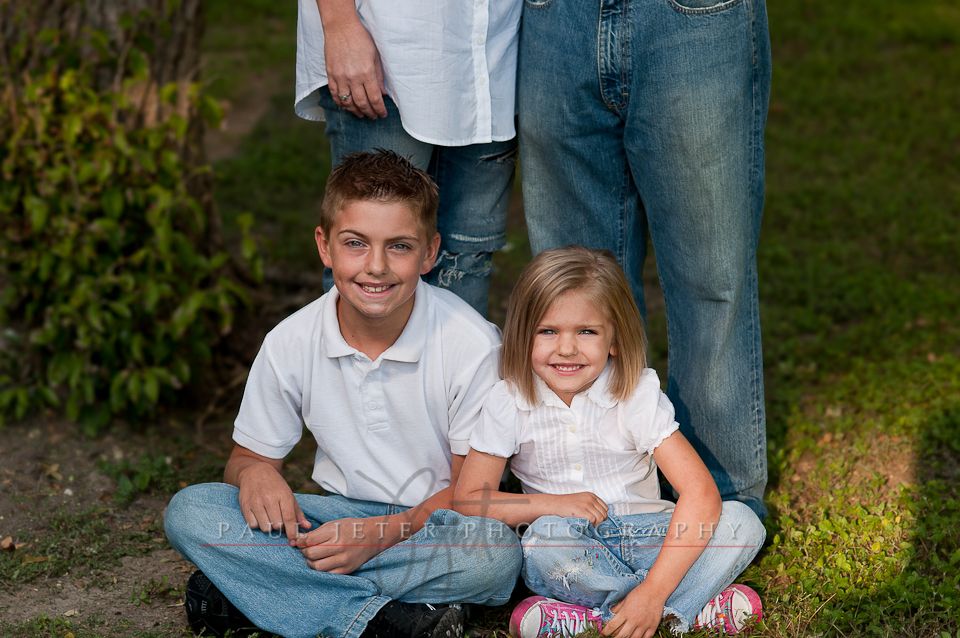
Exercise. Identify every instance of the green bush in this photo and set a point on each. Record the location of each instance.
(111, 296)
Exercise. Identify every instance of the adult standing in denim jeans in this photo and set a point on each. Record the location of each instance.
(435, 82)
(647, 116)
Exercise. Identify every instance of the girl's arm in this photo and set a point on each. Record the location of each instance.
(691, 526)
(477, 494)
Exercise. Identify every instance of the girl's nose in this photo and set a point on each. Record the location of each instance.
(567, 345)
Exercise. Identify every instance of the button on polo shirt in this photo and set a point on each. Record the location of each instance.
(385, 428)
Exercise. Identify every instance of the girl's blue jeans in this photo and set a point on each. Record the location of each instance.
(643, 120)
(454, 558)
(573, 561)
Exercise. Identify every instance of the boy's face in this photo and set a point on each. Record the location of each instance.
(377, 252)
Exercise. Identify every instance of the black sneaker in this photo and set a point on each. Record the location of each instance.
(416, 620)
(209, 613)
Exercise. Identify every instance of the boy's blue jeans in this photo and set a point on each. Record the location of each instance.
(648, 116)
(452, 559)
(571, 560)
(474, 181)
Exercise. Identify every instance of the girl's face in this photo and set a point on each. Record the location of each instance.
(571, 344)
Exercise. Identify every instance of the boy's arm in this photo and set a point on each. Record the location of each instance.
(266, 501)
(342, 546)
(478, 494)
(691, 526)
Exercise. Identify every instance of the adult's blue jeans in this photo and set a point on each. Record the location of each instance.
(647, 116)
(454, 558)
(573, 561)
(474, 183)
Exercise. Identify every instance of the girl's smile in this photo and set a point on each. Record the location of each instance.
(572, 343)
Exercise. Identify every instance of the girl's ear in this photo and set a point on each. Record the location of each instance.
(613, 349)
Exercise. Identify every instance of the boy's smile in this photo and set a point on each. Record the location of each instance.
(572, 343)
(377, 252)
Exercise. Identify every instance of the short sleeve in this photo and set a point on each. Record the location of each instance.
(473, 386)
(649, 416)
(498, 431)
(270, 422)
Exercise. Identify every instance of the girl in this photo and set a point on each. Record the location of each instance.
(585, 427)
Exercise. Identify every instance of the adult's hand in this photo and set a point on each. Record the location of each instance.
(353, 62)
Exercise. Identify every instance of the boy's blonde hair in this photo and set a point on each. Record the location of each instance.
(552, 273)
(382, 176)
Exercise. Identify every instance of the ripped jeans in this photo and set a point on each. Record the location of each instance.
(573, 561)
(474, 181)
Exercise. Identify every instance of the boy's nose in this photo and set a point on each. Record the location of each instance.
(376, 262)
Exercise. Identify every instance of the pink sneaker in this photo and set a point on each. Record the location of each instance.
(730, 610)
(540, 617)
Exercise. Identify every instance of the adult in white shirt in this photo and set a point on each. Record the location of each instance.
(433, 81)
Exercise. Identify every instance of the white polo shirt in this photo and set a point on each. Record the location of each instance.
(386, 428)
(450, 65)
(597, 444)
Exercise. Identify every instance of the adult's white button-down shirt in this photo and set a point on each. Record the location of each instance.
(450, 65)
(608, 452)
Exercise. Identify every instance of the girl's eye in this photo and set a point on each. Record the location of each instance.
(588, 331)
(546, 331)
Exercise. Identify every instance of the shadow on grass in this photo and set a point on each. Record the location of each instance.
(923, 599)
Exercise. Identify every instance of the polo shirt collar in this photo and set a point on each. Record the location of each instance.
(407, 348)
(598, 393)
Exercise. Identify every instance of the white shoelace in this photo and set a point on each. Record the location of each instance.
(567, 623)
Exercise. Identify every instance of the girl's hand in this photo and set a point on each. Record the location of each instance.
(581, 505)
(636, 616)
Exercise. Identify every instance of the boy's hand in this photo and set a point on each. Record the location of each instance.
(267, 502)
(581, 505)
(636, 616)
(342, 546)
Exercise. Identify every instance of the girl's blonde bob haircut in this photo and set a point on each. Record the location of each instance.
(552, 273)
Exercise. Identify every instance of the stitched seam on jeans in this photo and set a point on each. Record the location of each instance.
(755, 141)
(717, 8)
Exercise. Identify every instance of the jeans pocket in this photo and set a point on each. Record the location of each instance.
(702, 7)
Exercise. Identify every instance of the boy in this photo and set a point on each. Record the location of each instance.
(388, 374)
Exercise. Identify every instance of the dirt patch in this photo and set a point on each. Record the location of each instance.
(83, 555)
(241, 115)
(144, 594)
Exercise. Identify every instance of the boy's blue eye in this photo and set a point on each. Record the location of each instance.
(401, 246)
(354, 243)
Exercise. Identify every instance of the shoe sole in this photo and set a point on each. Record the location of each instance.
(450, 624)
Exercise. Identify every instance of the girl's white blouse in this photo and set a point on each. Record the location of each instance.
(598, 444)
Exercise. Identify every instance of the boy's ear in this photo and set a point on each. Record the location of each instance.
(433, 249)
(323, 247)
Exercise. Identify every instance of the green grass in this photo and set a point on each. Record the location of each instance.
(81, 543)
